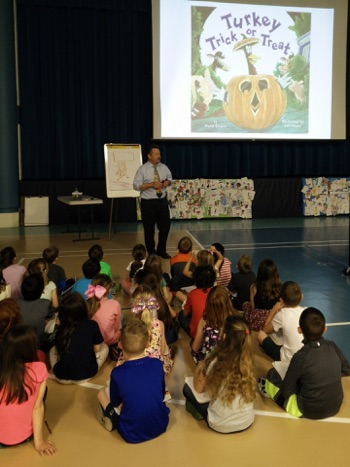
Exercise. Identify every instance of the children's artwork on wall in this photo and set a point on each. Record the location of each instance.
(326, 196)
(207, 198)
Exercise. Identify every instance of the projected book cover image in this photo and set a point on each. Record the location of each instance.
(250, 69)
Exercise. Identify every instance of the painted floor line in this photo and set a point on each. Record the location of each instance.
(257, 412)
(177, 401)
(85, 385)
(285, 415)
(277, 414)
(302, 242)
(345, 323)
(258, 246)
(194, 239)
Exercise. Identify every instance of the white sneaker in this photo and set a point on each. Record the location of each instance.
(167, 396)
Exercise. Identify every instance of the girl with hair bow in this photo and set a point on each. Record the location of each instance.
(144, 306)
(106, 312)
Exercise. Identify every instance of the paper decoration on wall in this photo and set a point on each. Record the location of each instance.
(206, 198)
(326, 196)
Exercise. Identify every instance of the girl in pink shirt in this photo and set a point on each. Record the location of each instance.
(22, 390)
(106, 312)
(13, 273)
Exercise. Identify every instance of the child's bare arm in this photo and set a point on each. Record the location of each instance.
(220, 257)
(167, 294)
(199, 378)
(97, 347)
(186, 270)
(198, 340)
(268, 327)
(252, 295)
(44, 448)
(162, 338)
(54, 298)
(172, 311)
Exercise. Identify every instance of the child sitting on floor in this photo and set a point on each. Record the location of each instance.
(40, 266)
(96, 252)
(227, 377)
(241, 282)
(133, 402)
(154, 264)
(139, 253)
(22, 391)
(217, 307)
(166, 312)
(178, 262)
(90, 268)
(225, 273)
(203, 258)
(281, 325)
(312, 386)
(35, 310)
(264, 293)
(12, 272)
(145, 306)
(79, 350)
(106, 312)
(203, 278)
(55, 272)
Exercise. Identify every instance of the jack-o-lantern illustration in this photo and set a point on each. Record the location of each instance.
(254, 102)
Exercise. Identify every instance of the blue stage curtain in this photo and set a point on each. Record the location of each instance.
(86, 79)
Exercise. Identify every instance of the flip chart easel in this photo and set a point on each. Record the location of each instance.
(121, 164)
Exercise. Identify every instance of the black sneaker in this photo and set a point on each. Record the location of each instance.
(193, 411)
(105, 421)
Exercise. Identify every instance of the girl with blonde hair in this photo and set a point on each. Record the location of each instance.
(227, 377)
(145, 306)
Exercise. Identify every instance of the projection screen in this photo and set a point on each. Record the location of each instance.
(239, 70)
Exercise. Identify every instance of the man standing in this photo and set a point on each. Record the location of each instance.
(152, 180)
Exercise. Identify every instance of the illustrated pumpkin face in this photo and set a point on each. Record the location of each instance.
(254, 102)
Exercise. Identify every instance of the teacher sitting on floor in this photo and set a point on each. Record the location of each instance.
(152, 180)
